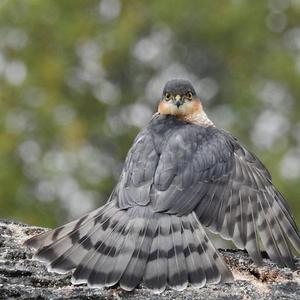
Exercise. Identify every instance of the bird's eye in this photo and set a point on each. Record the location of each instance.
(189, 96)
(167, 96)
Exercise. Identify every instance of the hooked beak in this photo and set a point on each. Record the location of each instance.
(178, 101)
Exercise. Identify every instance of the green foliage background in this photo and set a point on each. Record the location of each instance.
(78, 79)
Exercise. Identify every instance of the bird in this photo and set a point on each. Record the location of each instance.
(181, 177)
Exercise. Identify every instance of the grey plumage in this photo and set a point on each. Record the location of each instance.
(126, 246)
(177, 178)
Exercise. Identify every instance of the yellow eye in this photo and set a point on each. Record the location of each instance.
(189, 96)
(167, 97)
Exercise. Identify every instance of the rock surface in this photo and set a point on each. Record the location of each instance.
(21, 277)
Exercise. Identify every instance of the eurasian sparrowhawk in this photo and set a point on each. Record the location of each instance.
(181, 174)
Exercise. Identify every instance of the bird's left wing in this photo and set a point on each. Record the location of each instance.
(244, 206)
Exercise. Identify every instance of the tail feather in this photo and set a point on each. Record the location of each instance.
(214, 268)
(46, 238)
(124, 256)
(111, 268)
(194, 266)
(65, 252)
(103, 257)
(117, 246)
(177, 275)
(105, 239)
(156, 272)
(144, 231)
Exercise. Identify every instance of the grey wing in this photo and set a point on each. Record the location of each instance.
(138, 172)
(191, 168)
(244, 206)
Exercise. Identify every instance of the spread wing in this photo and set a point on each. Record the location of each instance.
(245, 207)
(178, 169)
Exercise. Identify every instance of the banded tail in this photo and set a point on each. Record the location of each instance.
(112, 246)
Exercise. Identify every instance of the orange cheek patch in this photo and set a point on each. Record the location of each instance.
(197, 107)
(190, 108)
(164, 108)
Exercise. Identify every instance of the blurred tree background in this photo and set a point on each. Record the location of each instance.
(78, 79)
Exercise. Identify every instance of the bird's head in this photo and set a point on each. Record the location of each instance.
(180, 99)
